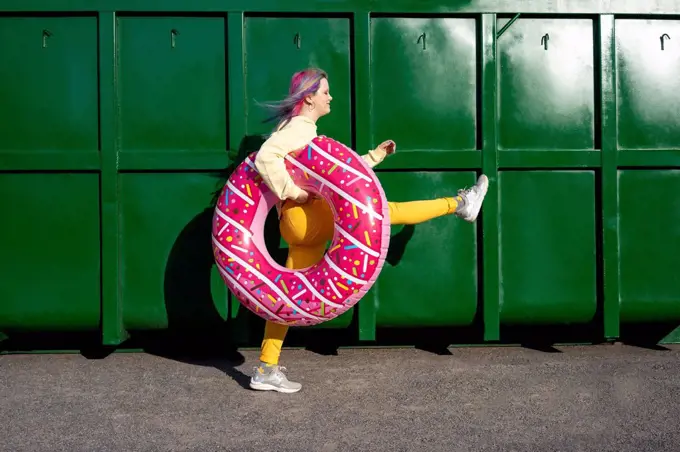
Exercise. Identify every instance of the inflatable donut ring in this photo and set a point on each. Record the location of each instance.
(350, 266)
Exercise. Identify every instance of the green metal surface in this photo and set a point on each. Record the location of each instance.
(546, 84)
(569, 109)
(48, 85)
(168, 278)
(50, 252)
(548, 249)
(648, 91)
(424, 75)
(441, 292)
(649, 243)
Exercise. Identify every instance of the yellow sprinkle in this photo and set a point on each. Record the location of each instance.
(323, 309)
(332, 169)
(354, 209)
(250, 261)
(257, 308)
(375, 200)
(354, 270)
(342, 286)
(368, 239)
(230, 260)
(230, 238)
(334, 248)
(271, 298)
(306, 175)
(283, 283)
(356, 262)
(248, 189)
(258, 266)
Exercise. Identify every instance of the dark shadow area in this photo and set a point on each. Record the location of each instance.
(543, 337)
(398, 243)
(649, 335)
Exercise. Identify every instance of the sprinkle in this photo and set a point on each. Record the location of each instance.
(285, 289)
(229, 270)
(299, 294)
(353, 180)
(368, 239)
(323, 308)
(354, 209)
(365, 262)
(332, 169)
(350, 247)
(230, 260)
(243, 250)
(238, 277)
(255, 287)
(279, 309)
(277, 278)
(248, 190)
(309, 152)
(258, 266)
(349, 160)
(354, 270)
(335, 290)
(306, 175)
(335, 248)
(271, 298)
(342, 286)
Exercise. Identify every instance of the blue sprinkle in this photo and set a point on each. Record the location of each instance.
(321, 290)
(350, 247)
(251, 253)
(363, 275)
(349, 283)
(309, 152)
(277, 278)
(294, 312)
(299, 302)
(299, 286)
(349, 226)
(349, 159)
(259, 292)
(229, 270)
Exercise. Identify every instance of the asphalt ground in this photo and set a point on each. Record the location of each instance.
(592, 398)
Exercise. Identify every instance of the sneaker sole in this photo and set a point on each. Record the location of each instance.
(268, 387)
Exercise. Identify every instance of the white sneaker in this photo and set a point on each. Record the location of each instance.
(473, 197)
(272, 378)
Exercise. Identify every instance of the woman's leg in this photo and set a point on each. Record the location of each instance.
(306, 228)
(466, 205)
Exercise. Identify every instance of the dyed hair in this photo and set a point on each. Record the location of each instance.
(303, 84)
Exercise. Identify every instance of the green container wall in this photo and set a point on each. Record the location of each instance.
(118, 120)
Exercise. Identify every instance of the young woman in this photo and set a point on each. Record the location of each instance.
(306, 222)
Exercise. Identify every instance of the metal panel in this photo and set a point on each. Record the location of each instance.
(48, 84)
(548, 247)
(278, 47)
(430, 277)
(648, 86)
(168, 276)
(172, 89)
(546, 84)
(649, 218)
(424, 82)
(50, 252)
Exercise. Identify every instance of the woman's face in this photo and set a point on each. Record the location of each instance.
(321, 100)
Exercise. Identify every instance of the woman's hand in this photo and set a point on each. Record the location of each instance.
(388, 146)
(302, 198)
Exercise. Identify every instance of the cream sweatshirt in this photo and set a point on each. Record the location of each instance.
(270, 163)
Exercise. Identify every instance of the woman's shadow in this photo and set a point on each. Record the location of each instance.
(196, 299)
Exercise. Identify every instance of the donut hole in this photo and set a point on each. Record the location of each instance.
(308, 226)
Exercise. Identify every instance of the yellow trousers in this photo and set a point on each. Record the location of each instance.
(308, 227)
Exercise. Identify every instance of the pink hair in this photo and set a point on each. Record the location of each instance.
(302, 84)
